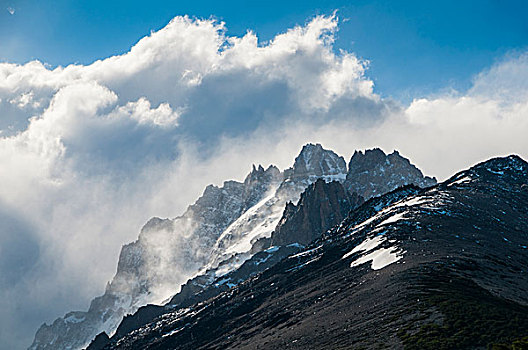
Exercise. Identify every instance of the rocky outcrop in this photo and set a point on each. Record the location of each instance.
(100, 341)
(374, 173)
(322, 206)
(316, 162)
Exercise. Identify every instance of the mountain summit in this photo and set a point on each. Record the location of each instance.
(316, 162)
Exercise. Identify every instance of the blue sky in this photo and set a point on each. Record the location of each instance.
(414, 47)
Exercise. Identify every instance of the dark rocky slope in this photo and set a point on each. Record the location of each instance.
(440, 268)
(321, 206)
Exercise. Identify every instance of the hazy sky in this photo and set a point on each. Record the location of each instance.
(111, 114)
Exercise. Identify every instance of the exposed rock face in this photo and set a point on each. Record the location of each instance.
(235, 244)
(315, 162)
(436, 268)
(322, 206)
(374, 173)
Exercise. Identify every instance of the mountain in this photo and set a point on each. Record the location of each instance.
(437, 268)
(216, 236)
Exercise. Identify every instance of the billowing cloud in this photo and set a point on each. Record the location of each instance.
(89, 153)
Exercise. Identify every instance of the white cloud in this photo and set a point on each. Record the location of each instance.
(141, 111)
(89, 153)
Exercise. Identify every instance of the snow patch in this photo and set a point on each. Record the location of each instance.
(272, 249)
(304, 264)
(497, 172)
(392, 219)
(381, 258)
(413, 201)
(367, 245)
(462, 180)
(257, 222)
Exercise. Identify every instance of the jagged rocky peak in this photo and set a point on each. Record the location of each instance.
(316, 162)
(213, 195)
(373, 173)
(166, 254)
(260, 181)
(259, 173)
(156, 224)
(321, 206)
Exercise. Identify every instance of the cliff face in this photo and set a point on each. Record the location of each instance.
(374, 173)
(322, 206)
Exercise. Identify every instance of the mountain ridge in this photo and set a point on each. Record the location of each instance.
(414, 268)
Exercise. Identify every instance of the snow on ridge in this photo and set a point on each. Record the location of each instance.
(247, 217)
(409, 202)
(398, 211)
(257, 222)
(462, 180)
